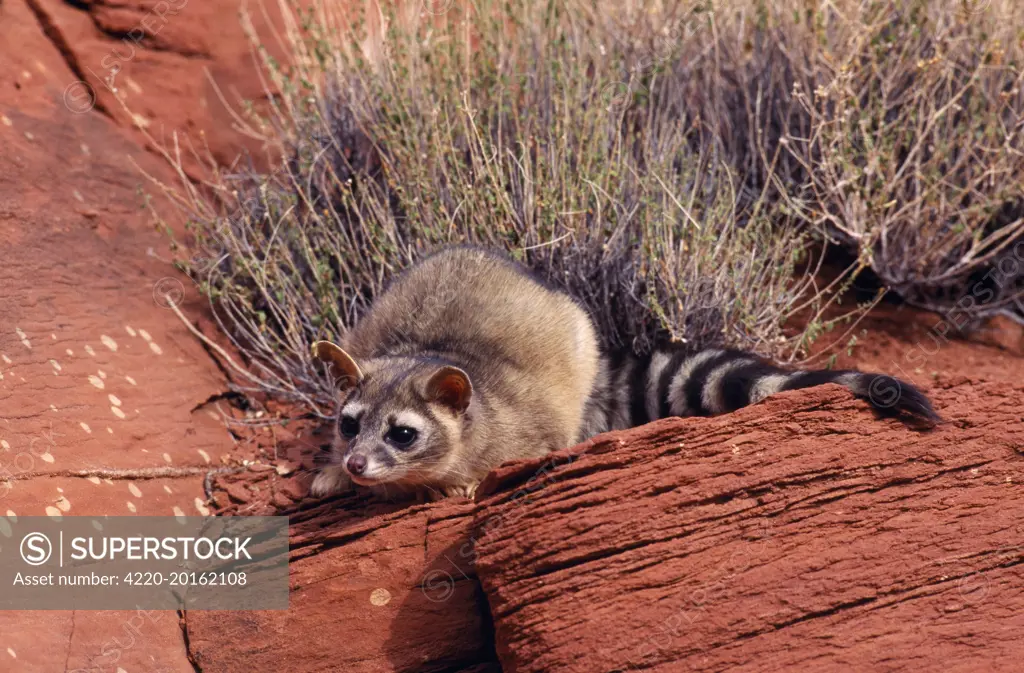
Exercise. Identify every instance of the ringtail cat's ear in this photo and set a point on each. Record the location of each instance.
(450, 386)
(341, 365)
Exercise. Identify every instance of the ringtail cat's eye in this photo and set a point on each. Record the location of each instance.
(349, 427)
(401, 435)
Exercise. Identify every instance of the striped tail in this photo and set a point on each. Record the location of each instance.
(711, 382)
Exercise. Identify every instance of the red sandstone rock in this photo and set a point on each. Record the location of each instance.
(159, 65)
(797, 534)
(800, 532)
(102, 389)
(379, 588)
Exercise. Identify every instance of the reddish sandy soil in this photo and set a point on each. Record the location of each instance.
(884, 548)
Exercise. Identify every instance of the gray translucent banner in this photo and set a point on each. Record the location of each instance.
(144, 563)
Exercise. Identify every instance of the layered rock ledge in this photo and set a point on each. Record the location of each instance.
(800, 532)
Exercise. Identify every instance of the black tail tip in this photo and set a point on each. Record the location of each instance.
(892, 396)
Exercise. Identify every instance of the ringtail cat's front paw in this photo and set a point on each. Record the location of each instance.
(463, 491)
(331, 479)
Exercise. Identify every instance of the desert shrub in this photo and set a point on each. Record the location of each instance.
(893, 128)
(914, 159)
(739, 78)
(550, 130)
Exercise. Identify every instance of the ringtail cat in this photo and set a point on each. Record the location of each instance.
(467, 361)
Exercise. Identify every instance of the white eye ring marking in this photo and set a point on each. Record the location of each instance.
(411, 419)
(353, 409)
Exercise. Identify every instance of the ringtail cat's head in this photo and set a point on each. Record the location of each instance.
(400, 419)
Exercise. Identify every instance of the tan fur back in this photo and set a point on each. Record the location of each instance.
(531, 352)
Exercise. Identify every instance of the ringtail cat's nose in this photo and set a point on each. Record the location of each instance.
(356, 464)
